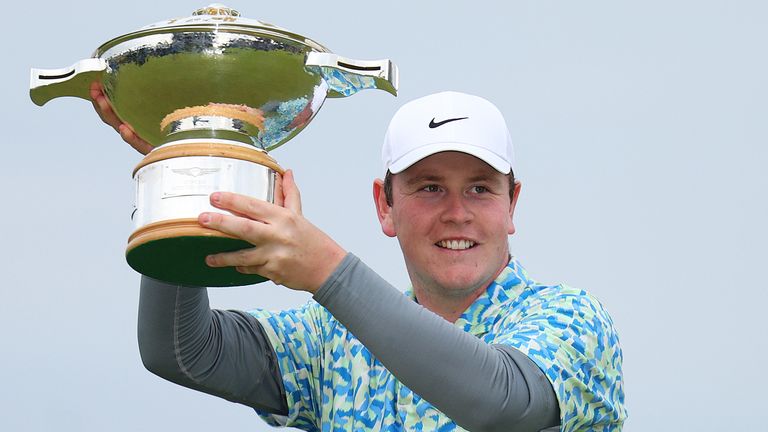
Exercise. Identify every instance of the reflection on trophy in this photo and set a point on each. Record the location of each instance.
(212, 93)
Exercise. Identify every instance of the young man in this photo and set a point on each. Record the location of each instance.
(474, 345)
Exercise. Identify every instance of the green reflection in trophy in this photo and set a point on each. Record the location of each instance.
(212, 93)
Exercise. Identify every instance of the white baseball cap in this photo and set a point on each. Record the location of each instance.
(447, 121)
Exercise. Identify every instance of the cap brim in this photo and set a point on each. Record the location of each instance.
(417, 154)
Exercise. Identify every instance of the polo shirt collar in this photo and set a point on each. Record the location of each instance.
(482, 313)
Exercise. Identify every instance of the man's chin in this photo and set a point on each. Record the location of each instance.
(460, 285)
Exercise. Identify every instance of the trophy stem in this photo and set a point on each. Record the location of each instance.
(215, 120)
(210, 148)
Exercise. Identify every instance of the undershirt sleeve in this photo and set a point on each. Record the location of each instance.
(479, 386)
(227, 353)
(223, 353)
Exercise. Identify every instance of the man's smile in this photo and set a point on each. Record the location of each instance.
(455, 244)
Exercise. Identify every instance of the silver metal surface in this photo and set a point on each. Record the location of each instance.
(180, 187)
(201, 124)
(185, 69)
(213, 77)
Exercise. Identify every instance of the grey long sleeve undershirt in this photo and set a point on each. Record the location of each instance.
(226, 353)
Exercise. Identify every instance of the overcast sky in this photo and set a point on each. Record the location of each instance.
(640, 131)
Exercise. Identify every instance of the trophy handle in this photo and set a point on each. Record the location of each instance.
(346, 77)
(47, 84)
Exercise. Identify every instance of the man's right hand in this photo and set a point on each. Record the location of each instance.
(108, 116)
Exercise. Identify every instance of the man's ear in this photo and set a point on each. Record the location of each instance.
(383, 210)
(512, 204)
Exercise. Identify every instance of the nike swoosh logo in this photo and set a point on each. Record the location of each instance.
(433, 124)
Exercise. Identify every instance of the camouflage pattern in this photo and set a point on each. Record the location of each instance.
(333, 383)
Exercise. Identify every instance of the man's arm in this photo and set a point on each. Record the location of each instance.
(479, 386)
(293, 252)
(223, 353)
(227, 354)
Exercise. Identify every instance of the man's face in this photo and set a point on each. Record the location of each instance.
(451, 213)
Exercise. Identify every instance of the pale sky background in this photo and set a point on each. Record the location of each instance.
(640, 131)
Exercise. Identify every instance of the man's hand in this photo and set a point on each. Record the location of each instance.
(108, 116)
(289, 250)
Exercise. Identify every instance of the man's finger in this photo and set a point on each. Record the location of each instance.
(102, 106)
(131, 138)
(108, 116)
(291, 192)
(247, 206)
(247, 259)
(252, 269)
(234, 212)
(242, 228)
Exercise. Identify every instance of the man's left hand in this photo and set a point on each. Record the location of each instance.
(288, 249)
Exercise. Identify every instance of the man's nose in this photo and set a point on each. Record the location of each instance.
(456, 209)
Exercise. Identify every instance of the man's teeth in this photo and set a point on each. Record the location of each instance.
(456, 244)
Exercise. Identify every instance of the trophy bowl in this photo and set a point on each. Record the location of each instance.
(212, 93)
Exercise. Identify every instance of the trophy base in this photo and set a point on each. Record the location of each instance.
(174, 251)
(173, 186)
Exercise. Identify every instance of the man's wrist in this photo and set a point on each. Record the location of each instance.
(329, 283)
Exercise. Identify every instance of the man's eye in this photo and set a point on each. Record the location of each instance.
(431, 188)
(479, 189)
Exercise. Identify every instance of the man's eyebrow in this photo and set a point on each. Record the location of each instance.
(424, 178)
(488, 178)
(483, 177)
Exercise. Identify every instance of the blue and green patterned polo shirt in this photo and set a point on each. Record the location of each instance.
(333, 383)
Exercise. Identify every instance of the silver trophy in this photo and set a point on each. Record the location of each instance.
(212, 93)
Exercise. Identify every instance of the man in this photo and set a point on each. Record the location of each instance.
(474, 345)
